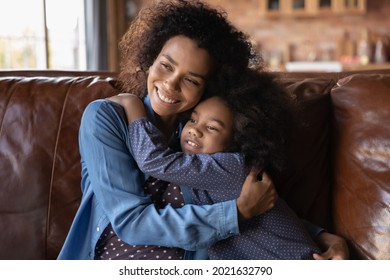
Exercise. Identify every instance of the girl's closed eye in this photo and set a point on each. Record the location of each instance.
(212, 128)
(192, 120)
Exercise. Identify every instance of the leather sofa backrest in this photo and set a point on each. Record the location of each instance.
(40, 114)
(361, 163)
(39, 160)
(306, 182)
(338, 172)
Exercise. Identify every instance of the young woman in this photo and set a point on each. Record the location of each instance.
(170, 53)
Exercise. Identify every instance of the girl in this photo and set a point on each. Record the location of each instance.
(247, 114)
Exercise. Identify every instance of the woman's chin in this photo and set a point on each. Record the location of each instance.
(163, 108)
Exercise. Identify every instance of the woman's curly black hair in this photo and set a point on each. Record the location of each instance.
(263, 114)
(156, 24)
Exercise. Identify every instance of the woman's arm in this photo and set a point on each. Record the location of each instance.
(118, 188)
(117, 183)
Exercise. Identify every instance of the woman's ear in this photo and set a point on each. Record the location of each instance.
(139, 70)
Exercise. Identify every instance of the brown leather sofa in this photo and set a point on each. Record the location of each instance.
(338, 174)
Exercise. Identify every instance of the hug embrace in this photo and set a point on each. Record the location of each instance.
(181, 167)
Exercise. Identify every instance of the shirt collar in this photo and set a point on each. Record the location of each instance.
(151, 115)
(149, 110)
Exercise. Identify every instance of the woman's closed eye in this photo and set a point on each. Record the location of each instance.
(166, 66)
(192, 82)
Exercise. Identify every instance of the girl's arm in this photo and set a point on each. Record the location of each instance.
(220, 172)
(223, 172)
(133, 105)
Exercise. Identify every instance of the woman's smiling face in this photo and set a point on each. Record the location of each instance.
(209, 129)
(178, 76)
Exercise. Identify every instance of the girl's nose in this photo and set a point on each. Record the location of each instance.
(195, 132)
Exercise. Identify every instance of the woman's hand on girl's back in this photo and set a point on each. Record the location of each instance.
(257, 196)
(133, 105)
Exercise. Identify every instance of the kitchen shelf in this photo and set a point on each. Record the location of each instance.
(279, 8)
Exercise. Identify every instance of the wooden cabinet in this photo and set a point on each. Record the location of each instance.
(310, 7)
(349, 6)
(284, 7)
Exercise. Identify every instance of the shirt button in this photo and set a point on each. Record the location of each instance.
(98, 229)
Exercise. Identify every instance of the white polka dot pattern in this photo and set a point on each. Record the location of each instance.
(277, 234)
(161, 194)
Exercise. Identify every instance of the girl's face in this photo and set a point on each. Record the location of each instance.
(178, 76)
(209, 129)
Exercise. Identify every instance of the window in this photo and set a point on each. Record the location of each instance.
(42, 34)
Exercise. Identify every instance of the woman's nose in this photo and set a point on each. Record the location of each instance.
(171, 83)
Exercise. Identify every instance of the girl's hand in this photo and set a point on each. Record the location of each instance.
(257, 195)
(133, 105)
(336, 247)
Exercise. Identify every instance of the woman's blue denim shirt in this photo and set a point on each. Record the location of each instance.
(112, 187)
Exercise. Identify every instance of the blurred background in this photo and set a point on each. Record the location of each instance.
(293, 35)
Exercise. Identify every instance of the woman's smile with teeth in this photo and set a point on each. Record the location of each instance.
(164, 98)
